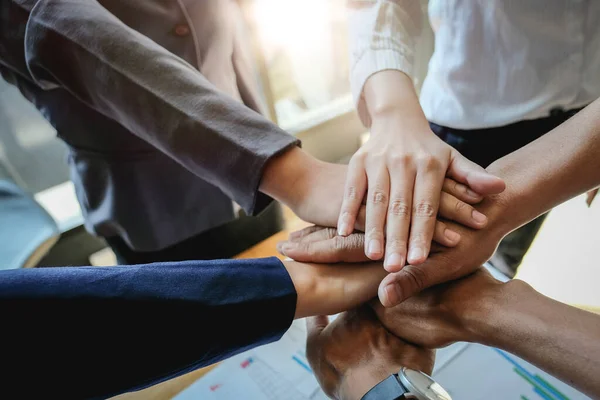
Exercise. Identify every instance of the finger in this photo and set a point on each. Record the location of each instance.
(377, 203)
(473, 175)
(444, 236)
(412, 279)
(398, 218)
(361, 219)
(426, 199)
(298, 235)
(307, 235)
(319, 235)
(314, 327)
(456, 210)
(337, 249)
(356, 185)
(437, 248)
(461, 192)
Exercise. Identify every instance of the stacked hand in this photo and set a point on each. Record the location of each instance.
(399, 173)
(355, 352)
(446, 263)
(314, 190)
(383, 340)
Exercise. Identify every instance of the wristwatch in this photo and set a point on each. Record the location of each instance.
(407, 384)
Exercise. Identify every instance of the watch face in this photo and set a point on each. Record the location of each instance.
(422, 385)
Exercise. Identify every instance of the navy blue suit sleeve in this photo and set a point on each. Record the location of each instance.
(85, 332)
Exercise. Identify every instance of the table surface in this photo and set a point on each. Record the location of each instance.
(170, 388)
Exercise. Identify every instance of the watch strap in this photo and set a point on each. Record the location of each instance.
(388, 389)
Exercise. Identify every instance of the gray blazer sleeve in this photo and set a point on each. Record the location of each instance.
(80, 46)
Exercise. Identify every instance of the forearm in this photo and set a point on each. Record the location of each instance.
(330, 289)
(118, 72)
(382, 37)
(392, 92)
(552, 169)
(192, 313)
(284, 176)
(560, 339)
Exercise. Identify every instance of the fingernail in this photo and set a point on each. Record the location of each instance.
(283, 247)
(416, 254)
(391, 295)
(375, 248)
(451, 235)
(395, 260)
(344, 229)
(479, 217)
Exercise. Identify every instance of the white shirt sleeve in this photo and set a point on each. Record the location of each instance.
(381, 36)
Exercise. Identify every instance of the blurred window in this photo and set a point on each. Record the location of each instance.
(304, 49)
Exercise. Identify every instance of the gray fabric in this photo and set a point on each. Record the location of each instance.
(159, 141)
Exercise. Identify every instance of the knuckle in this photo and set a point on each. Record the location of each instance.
(459, 206)
(401, 160)
(458, 188)
(330, 233)
(378, 197)
(340, 243)
(418, 239)
(358, 158)
(352, 193)
(429, 162)
(399, 208)
(416, 277)
(374, 233)
(356, 241)
(424, 209)
(396, 244)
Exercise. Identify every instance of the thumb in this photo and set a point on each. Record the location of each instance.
(412, 279)
(465, 171)
(315, 325)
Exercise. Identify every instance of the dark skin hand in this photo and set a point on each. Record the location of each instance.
(355, 352)
(560, 339)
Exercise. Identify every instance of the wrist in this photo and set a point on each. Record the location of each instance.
(356, 382)
(512, 205)
(285, 176)
(491, 325)
(331, 289)
(390, 95)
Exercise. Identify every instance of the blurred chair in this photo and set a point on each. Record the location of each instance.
(27, 231)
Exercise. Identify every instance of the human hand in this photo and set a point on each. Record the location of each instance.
(474, 249)
(400, 172)
(311, 188)
(446, 313)
(318, 244)
(314, 190)
(330, 289)
(355, 352)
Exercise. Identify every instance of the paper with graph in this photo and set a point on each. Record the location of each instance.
(484, 373)
(280, 371)
(272, 372)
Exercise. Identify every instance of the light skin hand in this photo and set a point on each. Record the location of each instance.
(318, 244)
(330, 289)
(355, 352)
(313, 190)
(400, 172)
